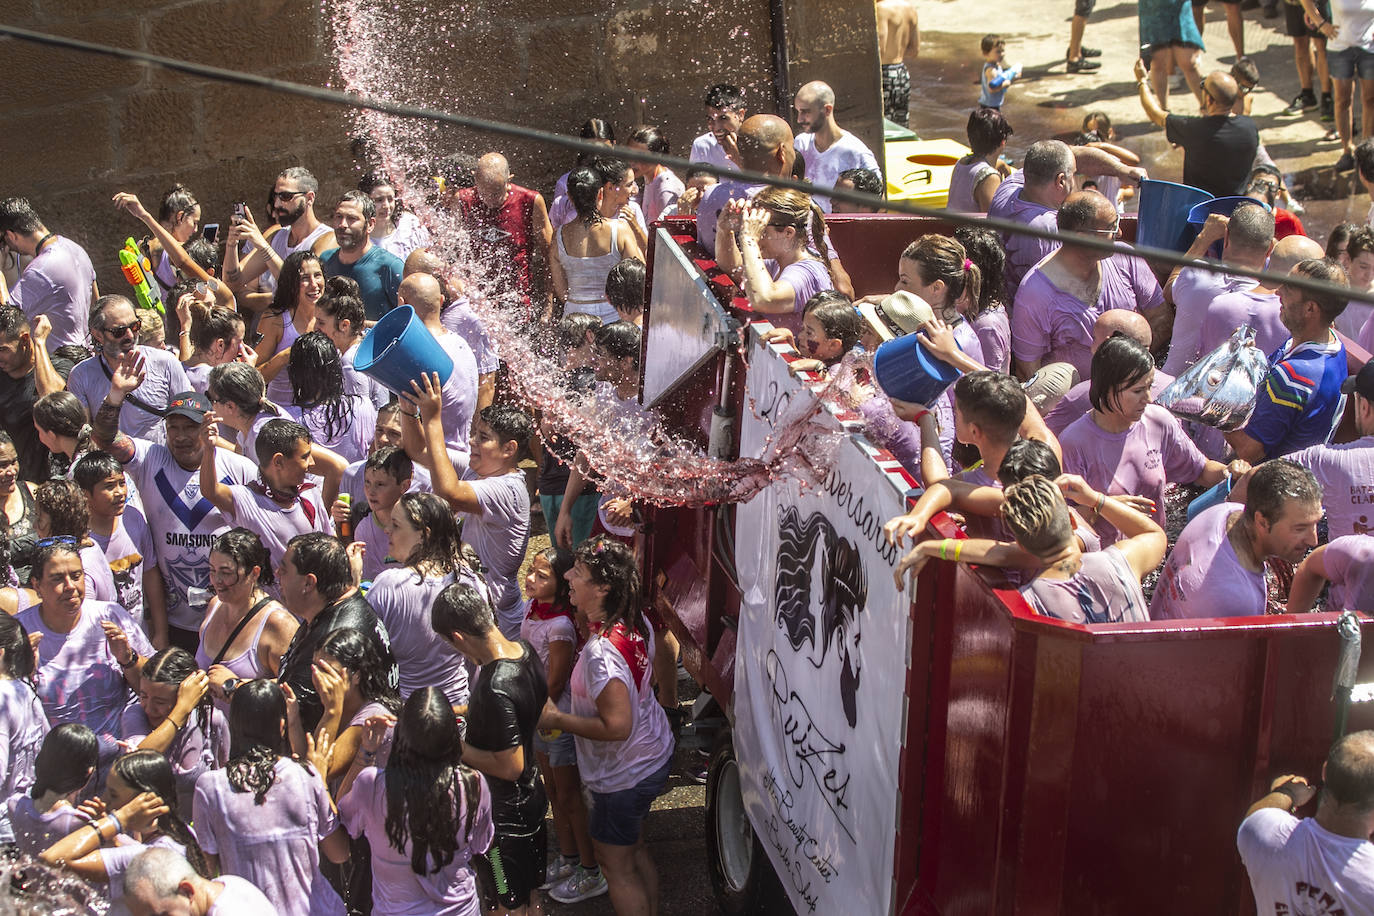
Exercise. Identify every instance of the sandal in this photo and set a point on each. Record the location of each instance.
(1082, 65)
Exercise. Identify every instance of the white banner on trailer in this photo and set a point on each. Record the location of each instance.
(822, 662)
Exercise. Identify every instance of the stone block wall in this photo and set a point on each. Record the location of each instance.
(75, 128)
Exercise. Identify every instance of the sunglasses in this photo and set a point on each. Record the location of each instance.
(120, 330)
(58, 539)
(282, 197)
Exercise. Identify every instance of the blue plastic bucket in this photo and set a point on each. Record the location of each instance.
(1162, 221)
(1222, 206)
(1209, 498)
(400, 349)
(906, 370)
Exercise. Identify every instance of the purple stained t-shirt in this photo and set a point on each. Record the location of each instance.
(1104, 590)
(1346, 473)
(1023, 251)
(1049, 325)
(459, 393)
(1349, 565)
(192, 752)
(128, 552)
(23, 725)
(1226, 313)
(34, 830)
(353, 432)
(806, 277)
(275, 524)
(396, 889)
(499, 534)
(459, 318)
(1203, 576)
(1076, 404)
(1138, 462)
(1194, 291)
(994, 334)
(402, 600)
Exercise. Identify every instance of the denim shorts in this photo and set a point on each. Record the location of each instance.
(561, 751)
(617, 817)
(1345, 64)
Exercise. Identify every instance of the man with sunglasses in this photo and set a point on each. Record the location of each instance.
(114, 329)
(293, 209)
(1219, 146)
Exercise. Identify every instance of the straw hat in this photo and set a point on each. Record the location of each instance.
(898, 314)
(1050, 383)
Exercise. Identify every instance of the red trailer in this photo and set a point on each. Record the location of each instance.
(949, 751)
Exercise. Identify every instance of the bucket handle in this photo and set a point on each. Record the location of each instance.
(385, 350)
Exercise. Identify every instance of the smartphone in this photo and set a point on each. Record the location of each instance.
(239, 210)
(210, 231)
(254, 339)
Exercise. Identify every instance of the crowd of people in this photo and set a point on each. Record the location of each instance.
(267, 644)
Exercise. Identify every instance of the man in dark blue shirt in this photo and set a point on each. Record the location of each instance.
(376, 270)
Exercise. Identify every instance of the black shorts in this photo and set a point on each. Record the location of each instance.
(513, 867)
(1083, 8)
(1297, 25)
(1204, 2)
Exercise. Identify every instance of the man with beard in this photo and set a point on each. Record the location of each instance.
(376, 270)
(827, 148)
(114, 329)
(725, 114)
(293, 208)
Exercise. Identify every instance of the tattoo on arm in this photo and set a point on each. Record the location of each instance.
(105, 432)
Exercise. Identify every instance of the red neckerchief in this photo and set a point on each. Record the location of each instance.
(631, 646)
(266, 489)
(547, 610)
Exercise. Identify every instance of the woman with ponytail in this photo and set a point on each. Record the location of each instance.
(425, 814)
(23, 724)
(48, 810)
(588, 247)
(62, 425)
(216, 338)
(265, 817)
(238, 395)
(778, 233)
(139, 811)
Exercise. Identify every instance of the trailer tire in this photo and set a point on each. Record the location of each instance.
(741, 874)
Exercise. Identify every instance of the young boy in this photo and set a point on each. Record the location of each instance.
(490, 495)
(386, 478)
(123, 535)
(625, 290)
(996, 77)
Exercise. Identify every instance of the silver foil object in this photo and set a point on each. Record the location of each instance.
(1220, 389)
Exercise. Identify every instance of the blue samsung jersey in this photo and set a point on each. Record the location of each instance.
(1299, 402)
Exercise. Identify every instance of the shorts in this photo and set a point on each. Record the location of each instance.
(1345, 64)
(583, 513)
(617, 818)
(896, 93)
(512, 868)
(1296, 26)
(1083, 8)
(561, 751)
(1204, 2)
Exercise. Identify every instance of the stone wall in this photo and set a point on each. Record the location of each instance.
(76, 128)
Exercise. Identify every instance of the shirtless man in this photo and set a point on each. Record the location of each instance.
(899, 38)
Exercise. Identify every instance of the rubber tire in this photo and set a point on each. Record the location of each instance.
(760, 894)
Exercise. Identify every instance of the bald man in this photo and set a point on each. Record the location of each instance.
(1113, 321)
(508, 234)
(422, 292)
(458, 317)
(826, 148)
(1219, 146)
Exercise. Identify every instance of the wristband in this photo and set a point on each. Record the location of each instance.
(175, 724)
(133, 660)
(944, 546)
(99, 838)
(1101, 503)
(119, 828)
(958, 549)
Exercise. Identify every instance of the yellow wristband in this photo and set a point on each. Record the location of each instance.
(958, 549)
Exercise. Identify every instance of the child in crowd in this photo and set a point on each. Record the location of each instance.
(576, 335)
(831, 327)
(996, 77)
(1097, 132)
(625, 290)
(387, 475)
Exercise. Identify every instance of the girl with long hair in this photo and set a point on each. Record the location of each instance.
(353, 682)
(778, 231)
(591, 244)
(985, 308)
(139, 811)
(62, 769)
(174, 717)
(62, 425)
(216, 338)
(425, 814)
(246, 631)
(624, 742)
(337, 420)
(23, 724)
(265, 817)
(398, 230)
(291, 314)
(425, 536)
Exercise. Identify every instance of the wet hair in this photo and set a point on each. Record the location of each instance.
(940, 257)
(837, 317)
(440, 543)
(1251, 228)
(66, 506)
(359, 655)
(43, 555)
(1330, 304)
(1364, 159)
(992, 400)
(697, 172)
(247, 550)
(175, 202)
(1096, 127)
(204, 253)
(597, 129)
(317, 382)
(280, 437)
(987, 130)
(391, 460)
(1119, 363)
(340, 286)
(620, 339)
(150, 771)
(460, 608)
(364, 202)
(573, 328)
(1026, 457)
(611, 563)
(724, 95)
(17, 215)
(798, 210)
(214, 323)
(865, 181)
(13, 322)
(18, 662)
(984, 249)
(431, 797)
(256, 737)
(73, 353)
(289, 282)
(240, 384)
(1349, 775)
(1361, 241)
(1080, 211)
(64, 763)
(584, 184)
(510, 424)
(302, 177)
(61, 412)
(1274, 483)
(1045, 160)
(324, 557)
(1340, 235)
(989, 42)
(94, 467)
(625, 286)
(172, 666)
(1035, 512)
(560, 561)
(652, 138)
(344, 308)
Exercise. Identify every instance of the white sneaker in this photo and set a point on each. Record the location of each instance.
(558, 870)
(580, 885)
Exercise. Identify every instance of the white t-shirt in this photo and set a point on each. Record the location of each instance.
(1354, 21)
(239, 898)
(500, 533)
(276, 524)
(1298, 867)
(614, 766)
(183, 523)
(823, 168)
(543, 632)
(128, 550)
(165, 378)
(1346, 475)
(707, 148)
